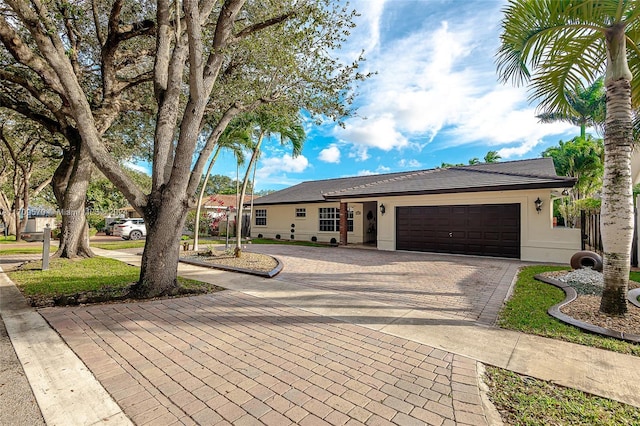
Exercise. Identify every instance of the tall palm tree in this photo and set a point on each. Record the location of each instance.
(234, 139)
(556, 45)
(587, 107)
(266, 123)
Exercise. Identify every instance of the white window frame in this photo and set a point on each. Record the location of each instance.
(329, 218)
(261, 216)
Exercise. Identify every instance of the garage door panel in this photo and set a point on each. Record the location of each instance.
(486, 230)
(510, 236)
(492, 236)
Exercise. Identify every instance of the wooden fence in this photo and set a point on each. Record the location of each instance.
(592, 238)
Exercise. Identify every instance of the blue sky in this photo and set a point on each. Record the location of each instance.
(436, 98)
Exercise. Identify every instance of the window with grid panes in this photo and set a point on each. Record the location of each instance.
(330, 219)
(261, 217)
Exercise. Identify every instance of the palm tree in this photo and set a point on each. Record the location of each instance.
(492, 157)
(587, 107)
(266, 123)
(580, 158)
(234, 139)
(556, 45)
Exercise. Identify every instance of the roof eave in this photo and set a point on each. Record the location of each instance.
(541, 185)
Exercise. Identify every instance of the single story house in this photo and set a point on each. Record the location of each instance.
(492, 209)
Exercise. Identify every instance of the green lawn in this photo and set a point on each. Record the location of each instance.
(72, 276)
(119, 245)
(523, 400)
(526, 311)
(37, 248)
(68, 277)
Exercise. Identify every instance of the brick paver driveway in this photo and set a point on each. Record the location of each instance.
(469, 288)
(232, 358)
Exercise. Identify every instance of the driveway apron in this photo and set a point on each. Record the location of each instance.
(232, 358)
(460, 287)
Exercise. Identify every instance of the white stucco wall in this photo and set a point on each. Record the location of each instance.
(539, 240)
(281, 217)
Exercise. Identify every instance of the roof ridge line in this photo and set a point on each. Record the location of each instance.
(494, 172)
(402, 176)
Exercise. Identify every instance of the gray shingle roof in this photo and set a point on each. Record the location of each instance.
(523, 174)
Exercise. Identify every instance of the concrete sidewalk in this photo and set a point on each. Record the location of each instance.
(321, 357)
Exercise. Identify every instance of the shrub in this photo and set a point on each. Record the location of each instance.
(95, 220)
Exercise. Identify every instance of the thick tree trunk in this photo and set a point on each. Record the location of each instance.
(70, 184)
(16, 219)
(164, 219)
(617, 206)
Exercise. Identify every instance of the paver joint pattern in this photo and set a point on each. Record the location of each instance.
(230, 358)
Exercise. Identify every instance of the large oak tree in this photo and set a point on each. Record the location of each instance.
(104, 57)
(206, 59)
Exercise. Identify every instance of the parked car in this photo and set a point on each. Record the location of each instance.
(108, 230)
(130, 229)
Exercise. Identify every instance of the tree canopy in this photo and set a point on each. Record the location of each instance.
(185, 64)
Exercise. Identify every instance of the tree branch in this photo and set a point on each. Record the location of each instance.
(37, 93)
(72, 36)
(96, 22)
(252, 29)
(23, 54)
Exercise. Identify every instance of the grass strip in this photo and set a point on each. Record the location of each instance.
(523, 400)
(66, 276)
(24, 250)
(526, 311)
(69, 277)
(119, 245)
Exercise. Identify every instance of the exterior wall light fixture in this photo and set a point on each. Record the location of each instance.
(382, 209)
(538, 203)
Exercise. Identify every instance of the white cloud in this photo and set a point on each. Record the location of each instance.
(520, 150)
(413, 164)
(379, 170)
(330, 155)
(376, 132)
(366, 35)
(440, 80)
(275, 168)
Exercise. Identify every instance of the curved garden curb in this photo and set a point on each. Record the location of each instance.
(632, 295)
(275, 271)
(570, 296)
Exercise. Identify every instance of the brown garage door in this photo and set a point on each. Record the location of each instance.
(482, 229)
